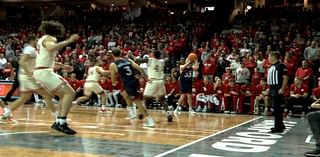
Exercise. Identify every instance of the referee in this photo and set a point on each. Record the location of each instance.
(277, 81)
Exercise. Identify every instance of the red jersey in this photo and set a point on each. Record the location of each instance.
(291, 68)
(250, 88)
(251, 66)
(74, 83)
(219, 90)
(106, 84)
(226, 77)
(232, 90)
(299, 90)
(302, 73)
(259, 89)
(209, 67)
(207, 89)
(197, 87)
(316, 92)
(256, 78)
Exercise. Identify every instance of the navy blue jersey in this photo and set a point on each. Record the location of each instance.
(125, 70)
(186, 80)
(186, 76)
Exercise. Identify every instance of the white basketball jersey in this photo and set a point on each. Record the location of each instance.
(155, 68)
(32, 53)
(44, 57)
(93, 75)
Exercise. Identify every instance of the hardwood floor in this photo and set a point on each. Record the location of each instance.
(106, 135)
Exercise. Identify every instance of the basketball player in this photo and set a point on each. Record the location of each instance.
(155, 87)
(27, 83)
(92, 85)
(186, 75)
(125, 68)
(44, 70)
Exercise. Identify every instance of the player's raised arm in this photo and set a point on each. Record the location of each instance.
(102, 71)
(182, 67)
(51, 44)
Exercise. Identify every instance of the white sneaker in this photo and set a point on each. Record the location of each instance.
(177, 110)
(132, 113)
(205, 109)
(149, 122)
(110, 105)
(7, 120)
(198, 109)
(118, 106)
(191, 111)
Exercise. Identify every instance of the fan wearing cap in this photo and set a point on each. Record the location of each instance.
(231, 94)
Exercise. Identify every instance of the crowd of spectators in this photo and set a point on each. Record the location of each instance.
(234, 62)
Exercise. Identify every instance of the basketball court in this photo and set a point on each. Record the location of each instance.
(203, 135)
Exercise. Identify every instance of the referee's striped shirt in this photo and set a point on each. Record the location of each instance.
(276, 73)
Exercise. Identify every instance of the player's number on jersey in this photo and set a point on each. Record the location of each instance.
(156, 68)
(188, 74)
(128, 70)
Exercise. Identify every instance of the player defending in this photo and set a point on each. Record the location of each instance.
(28, 84)
(125, 68)
(186, 75)
(44, 70)
(155, 87)
(92, 85)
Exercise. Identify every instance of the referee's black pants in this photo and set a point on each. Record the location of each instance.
(276, 101)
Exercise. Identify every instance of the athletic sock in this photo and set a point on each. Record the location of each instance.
(6, 111)
(62, 120)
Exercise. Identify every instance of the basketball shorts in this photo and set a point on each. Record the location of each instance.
(28, 84)
(155, 88)
(92, 87)
(49, 79)
(132, 87)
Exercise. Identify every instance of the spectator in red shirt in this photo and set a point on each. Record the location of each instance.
(247, 91)
(256, 77)
(209, 68)
(196, 89)
(316, 93)
(251, 64)
(172, 89)
(227, 76)
(290, 66)
(304, 72)
(262, 94)
(231, 94)
(298, 95)
(106, 84)
(203, 97)
(74, 82)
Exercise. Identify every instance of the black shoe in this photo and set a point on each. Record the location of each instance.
(169, 118)
(63, 128)
(140, 116)
(276, 130)
(314, 153)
